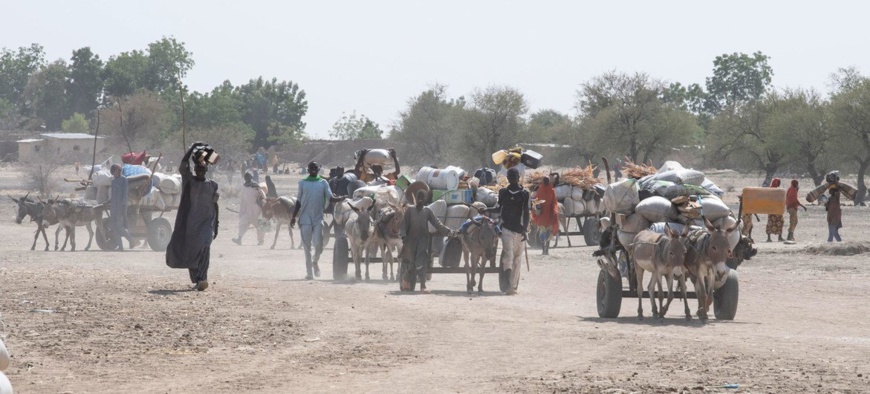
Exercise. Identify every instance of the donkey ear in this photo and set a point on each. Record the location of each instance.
(13, 198)
(709, 225)
(735, 227)
(685, 230)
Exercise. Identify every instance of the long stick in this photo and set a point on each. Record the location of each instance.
(124, 133)
(94, 157)
(526, 249)
(183, 120)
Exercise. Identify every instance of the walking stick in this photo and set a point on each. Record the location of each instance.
(526, 249)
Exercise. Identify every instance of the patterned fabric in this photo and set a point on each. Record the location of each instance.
(132, 170)
(775, 224)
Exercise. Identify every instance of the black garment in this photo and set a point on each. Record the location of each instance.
(195, 224)
(513, 202)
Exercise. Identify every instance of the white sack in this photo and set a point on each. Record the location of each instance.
(692, 177)
(634, 223)
(657, 209)
(621, 197)
(563, 192)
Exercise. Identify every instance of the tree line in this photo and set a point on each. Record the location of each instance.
(136, 97)
(735, 119)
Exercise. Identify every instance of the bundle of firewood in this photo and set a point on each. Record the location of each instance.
(580, 177)
(637, 171)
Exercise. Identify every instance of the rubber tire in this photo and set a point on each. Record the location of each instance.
(608, 295)
(105, 241)
(591, 234)
(159, 234)
(725, 298)
(339, 259)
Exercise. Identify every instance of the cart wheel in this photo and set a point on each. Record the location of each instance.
(725, 298)
(105, 240)
(608, 295)
(590, 231)
(339, 259)
(159, 234)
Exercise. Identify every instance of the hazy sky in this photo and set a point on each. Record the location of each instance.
(372, 56)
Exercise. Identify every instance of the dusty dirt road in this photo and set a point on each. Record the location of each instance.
(93, 321)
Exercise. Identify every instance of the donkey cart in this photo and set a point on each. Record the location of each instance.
(615, 265)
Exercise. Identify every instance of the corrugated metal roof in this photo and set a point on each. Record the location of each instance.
(31, 140)
(69, 136)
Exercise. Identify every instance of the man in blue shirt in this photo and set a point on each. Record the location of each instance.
(312, 198)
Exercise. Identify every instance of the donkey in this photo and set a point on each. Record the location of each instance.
(35, 210)
(479, 244)
(707, 252)
(358, 230)
(71, 214)
(282, 209)
(386, 236)
(661, 255)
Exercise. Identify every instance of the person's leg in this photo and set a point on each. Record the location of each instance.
(421, 261)
(202, 269)
(518, 249)
(305, 231)
(837, 234)
(831, 230)
(792, 223)
(317, 240)
(507, 241)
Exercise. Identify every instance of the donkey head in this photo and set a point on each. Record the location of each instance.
(268, 208)
(363, 222)
(675, 251)
(719, 249)
(22, 208)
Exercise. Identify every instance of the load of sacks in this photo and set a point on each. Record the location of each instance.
(5, 385)
(163, 192)
(578, 201)
(673, 195)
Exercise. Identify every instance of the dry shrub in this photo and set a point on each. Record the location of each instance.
(839, 248)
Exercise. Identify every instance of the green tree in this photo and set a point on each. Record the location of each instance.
(355, 127)
(737, 78)
(427, 126)
(494, 121)
(274, 110)
(16, 67)
(85, 83)
(624, 114)
(800, 121)
(168, 60)
(75, 124)
(850, 110)
(744, 138)
(46, 93)
(125, 73)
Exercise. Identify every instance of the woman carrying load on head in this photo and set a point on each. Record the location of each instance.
(548, 218)
(775, 222)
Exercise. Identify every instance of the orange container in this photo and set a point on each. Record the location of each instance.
(764, 200)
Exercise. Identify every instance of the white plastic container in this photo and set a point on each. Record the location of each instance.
(5, 384)
(4, 357)
(440, 179)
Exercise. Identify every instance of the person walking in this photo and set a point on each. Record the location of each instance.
(416, 239)
(312, 197)
(513, 202)
(118, 208)
(792, 204)
(775, 222)
(196, 222)
(835, 214)
(251, 199)
(547, 220)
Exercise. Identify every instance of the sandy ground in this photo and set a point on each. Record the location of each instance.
(94, 321)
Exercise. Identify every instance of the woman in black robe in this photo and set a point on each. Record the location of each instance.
(196, 223)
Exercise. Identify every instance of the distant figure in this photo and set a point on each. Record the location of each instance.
(617, 169)
(118, 208)
(416, 240)
(196, 223)
(260, 157)
(792, 204)
(775, 222)
(548, 218)
(835, 214)
(77, 168)
(251, 199)
(312, 197)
